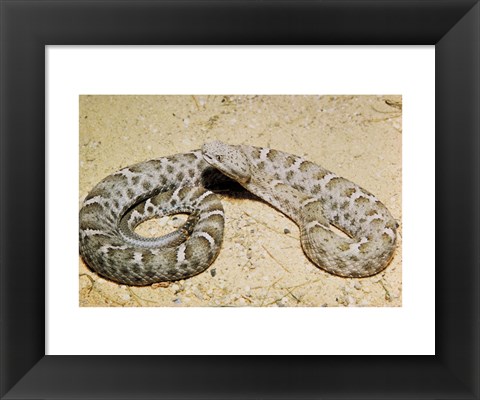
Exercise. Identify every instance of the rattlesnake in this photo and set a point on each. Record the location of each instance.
(311, 196)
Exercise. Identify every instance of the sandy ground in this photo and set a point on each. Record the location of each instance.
(261, 262)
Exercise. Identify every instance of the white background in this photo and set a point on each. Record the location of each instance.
(72, 71)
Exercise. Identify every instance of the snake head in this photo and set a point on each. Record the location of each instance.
(228, 159)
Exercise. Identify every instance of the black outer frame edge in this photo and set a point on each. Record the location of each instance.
(457, 148)
(27, 26)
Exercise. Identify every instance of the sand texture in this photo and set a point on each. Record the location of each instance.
(261, 262)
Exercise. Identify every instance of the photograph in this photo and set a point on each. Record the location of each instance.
(240, 200)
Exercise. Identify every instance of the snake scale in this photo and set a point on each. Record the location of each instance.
(313, 197)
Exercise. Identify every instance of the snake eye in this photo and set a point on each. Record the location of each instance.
(219, 158)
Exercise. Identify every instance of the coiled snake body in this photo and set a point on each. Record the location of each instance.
(311, 196)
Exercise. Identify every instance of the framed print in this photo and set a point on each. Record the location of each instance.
(241, 72)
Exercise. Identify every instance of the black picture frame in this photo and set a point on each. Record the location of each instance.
(453, 26)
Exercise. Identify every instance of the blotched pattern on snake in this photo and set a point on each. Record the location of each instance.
(313, 197)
